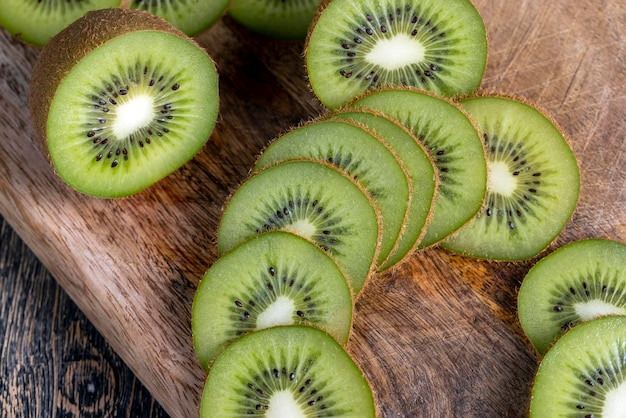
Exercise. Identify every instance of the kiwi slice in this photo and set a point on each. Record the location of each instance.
(38, 21)
(361, 155)
(286, 371)
(420, 169)
(121, 99)
(533, 184)
(578, 282)
(313, 200)
(280, 19)
(359, 45)
(454, 144)
(583, 374)
(190, 16)
(275, 278)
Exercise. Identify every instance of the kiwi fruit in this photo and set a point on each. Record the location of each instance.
(420, 169)
(286, 371)
(275, 278)
(583, 374)
(37, 21)
(578, 282)
(314, 200)
(453, 142)
(280, 19)
(533, 184)
(121, 99)
(358, 45)
(361, 155)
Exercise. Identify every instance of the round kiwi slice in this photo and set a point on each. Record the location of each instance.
(38, 21)
(578, 282)
(275, 278)
(358, 45)
(121, 99)
(583, 374)
(362, 156)
(533, 183)
(313, 200)
(420, 169)
(281, 19)
(286, 371)
(455, 146)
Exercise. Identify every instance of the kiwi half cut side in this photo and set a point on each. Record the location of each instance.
(121, 99)
(38, 21)
(358, 45)
(533, 184)
(583, 374)
(454, 144)
(311, 199)
(361, 155)
(286, 371)
(275, 278)
(581, 281)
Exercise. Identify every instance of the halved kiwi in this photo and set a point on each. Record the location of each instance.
(454, 144)
(313, 200)
(578, 282)
(584, 374)
(533, 183)
(275, 278)
(286, 371)
(358, 45)
(360, 154)
(121, 99)
(420, 169)
(38, 21)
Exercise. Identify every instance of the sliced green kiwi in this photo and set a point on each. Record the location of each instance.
(275, 278)
(533, 183)
(281, 19)
(361, 155)
(311, 199)
(455, 146)
(358, 45)
(584, 374)
(190, 16)
(286, 371)
(420, 169)
(121, 99)
(578, 282)
(38, 21)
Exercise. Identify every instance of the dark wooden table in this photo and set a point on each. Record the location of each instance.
(54, 362)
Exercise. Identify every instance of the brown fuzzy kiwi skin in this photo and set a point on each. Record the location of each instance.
(72, 44)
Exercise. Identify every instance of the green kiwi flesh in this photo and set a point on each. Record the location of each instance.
(190, 16)
(420, 169)
(359, 45)
(121, 99)
(533, 184)
(578, 282)
(280, 19)
(313, 200)
(452, 141)
(362, 156)
(275, 278)
(286, 371)
(583, 374)
(38, 21)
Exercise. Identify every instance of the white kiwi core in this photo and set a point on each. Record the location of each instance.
(596, 308)
(282, 404)
(279, 312)
(501, 180)
(615, 402)
(135, 113)
(303, 228)
(396, 52)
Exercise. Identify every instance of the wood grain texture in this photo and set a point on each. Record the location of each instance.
(437, 337)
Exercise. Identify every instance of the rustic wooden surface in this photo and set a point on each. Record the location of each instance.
(439, 336)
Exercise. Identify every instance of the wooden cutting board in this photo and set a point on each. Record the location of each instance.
(438, 337)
